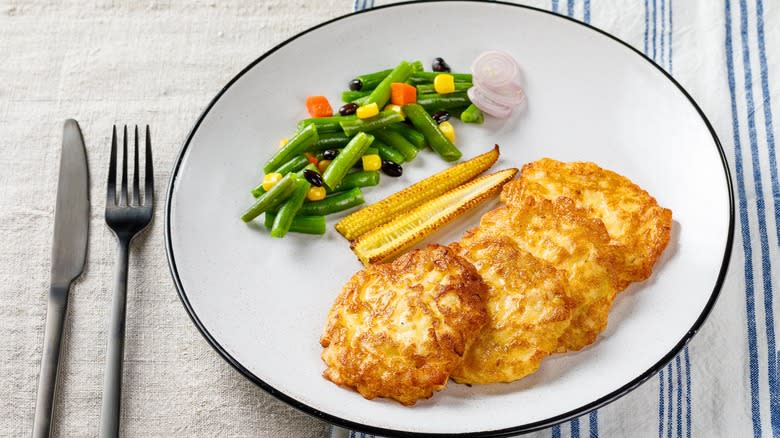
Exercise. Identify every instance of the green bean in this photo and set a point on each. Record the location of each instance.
(371, 80)
(333, 140)
(428, 88)
(325, 124)
(333, 203)
(425, 124)
(361, 100)
(397, 141)
(415, 137)
(300, 142)
(417, 66)
(351, 96)
(363, 178)
(272, 198)
(300, 224)
(295, 164)
(472, 114)
(381, 93)
(346, 159)
(388, 152)
(434, 101)
(384, 118)
(371, 151)
(426, 77)
(290, 208)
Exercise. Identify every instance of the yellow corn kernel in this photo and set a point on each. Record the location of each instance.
(372, 162)
(315, 194)
(322, 165)
(370, 217)
(283, 142)
(444, 83)
(270, 180)
(448, 130)
(367, 111)
(396, 108)
(387, 241)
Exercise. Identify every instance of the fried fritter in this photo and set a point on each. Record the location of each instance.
(398, 330)
(528, 310)
(633, 218)
(564, 236)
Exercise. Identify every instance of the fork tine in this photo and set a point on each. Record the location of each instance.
(123, 190)
(149, 183)
(136, 190)
(111, 191)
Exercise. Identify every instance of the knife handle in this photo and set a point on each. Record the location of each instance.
(52, 339)
(115, 349)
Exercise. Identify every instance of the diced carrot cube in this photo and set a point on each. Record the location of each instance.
(318, 106)
(402, 94)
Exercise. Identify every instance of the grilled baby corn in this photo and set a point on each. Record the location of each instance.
(387, 241)
(370, 217)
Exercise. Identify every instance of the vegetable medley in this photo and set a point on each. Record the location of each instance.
(386, 119)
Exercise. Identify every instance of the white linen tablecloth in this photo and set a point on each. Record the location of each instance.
(160, 62)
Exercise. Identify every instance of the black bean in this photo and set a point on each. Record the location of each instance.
(348, 109)
(330, 154)
(392, 168)
(313, 177)
(355, 85)
(440, 65)
(440, 116)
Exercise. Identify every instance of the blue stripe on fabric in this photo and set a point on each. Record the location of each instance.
(678, 368)
(770, 132)
(570, 8)
(555, 432)
(575, 428)
(669, 404)
(766, 265)
(661, 403)
(586, 14)
(554, 5)
(671, 33)
(663, 33)
(655, 22)
(687, 393)
(355, 5)
(647, 25)
(352, 434)
(745, 232)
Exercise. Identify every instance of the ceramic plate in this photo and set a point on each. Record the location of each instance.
(261, 302)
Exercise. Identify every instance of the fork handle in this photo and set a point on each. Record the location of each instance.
(112, 380)
(52, 340)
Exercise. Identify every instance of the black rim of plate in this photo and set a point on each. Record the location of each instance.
(614, 395)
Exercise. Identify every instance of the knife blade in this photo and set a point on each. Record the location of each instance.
(69, 251)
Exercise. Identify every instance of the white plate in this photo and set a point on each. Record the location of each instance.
(261, 302)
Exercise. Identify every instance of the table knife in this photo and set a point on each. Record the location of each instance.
(69, 250)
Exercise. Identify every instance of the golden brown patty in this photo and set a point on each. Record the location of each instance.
(398, 330)
(564, 236)
(633, 218)
(527, 306)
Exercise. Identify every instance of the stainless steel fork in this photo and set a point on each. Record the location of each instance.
(126, 217)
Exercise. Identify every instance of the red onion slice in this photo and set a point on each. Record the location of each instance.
(509, 94)
(488, 105)
(495, 68)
